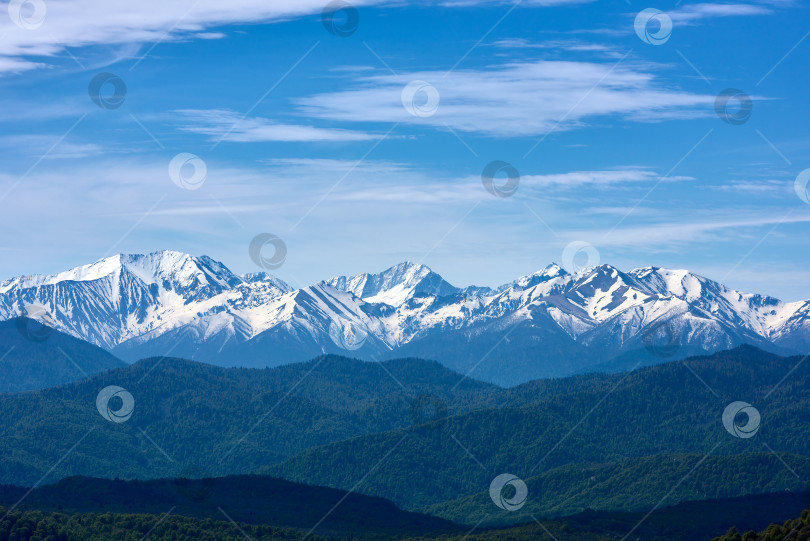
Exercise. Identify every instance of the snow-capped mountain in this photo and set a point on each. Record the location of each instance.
(395, 285)
(134, 297)
(549, 323)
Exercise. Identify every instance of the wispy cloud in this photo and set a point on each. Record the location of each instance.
(75, 211)
(561, 45)
(576, 179)
(505, 100)
(225, 125)
(764, 187)
(82, 23)
(666, 233)
(538, 3)
(36, 145)
(760, 277)
(691, 13)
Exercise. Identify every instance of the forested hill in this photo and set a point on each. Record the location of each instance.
(689, 521)
(796, 530)
(246, 499)
(613, 442)
(223, 420)
(605, 442)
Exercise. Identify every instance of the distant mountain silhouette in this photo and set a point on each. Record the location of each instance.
(34, 356)
(687, 521)
(247, 498)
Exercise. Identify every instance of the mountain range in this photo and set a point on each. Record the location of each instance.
(551, 323)
(194, 416)
(598, 441)
(88, 509)
(428, 439)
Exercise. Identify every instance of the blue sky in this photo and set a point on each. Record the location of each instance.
(319, 139)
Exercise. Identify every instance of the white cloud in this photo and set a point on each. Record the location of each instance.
(80, 23)
(64, 214)
(332, 166)
(696, 12)
(764, 187)
(38, 145)
(395, 182)
(22, 112)
(565, 45)
(577, 179)
(669, 232)
(538, 3)
(780, 281)
(518, 99)
(225, 125)
(16, 65)
(77, 23)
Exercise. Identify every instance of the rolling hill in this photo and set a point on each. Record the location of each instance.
(688, 521)
(619, 442)
(222, 420)
(245, 499)
(428, 439)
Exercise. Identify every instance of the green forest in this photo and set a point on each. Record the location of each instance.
(651, 429)
(796, 530)
(692, 522)
(45, 526)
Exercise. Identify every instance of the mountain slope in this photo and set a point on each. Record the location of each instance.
(219, 420)
(126, 299)
(687, 521)
(639, 484)
(547, 324)
(664, 409)
(132, 527)
(393, 286)
(553, 323)
(247, 498)
(34, 356)
(291, 327)
(790, 529)
(413, 432)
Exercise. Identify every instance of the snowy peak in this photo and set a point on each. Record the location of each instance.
(179, 270)
(543, 275)
(678, 283)
(142, 304)
(603, 292)
(176, 268)
(132, 296)
(552, 270)
(266, 278)
(394, 285)
(94, 271)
